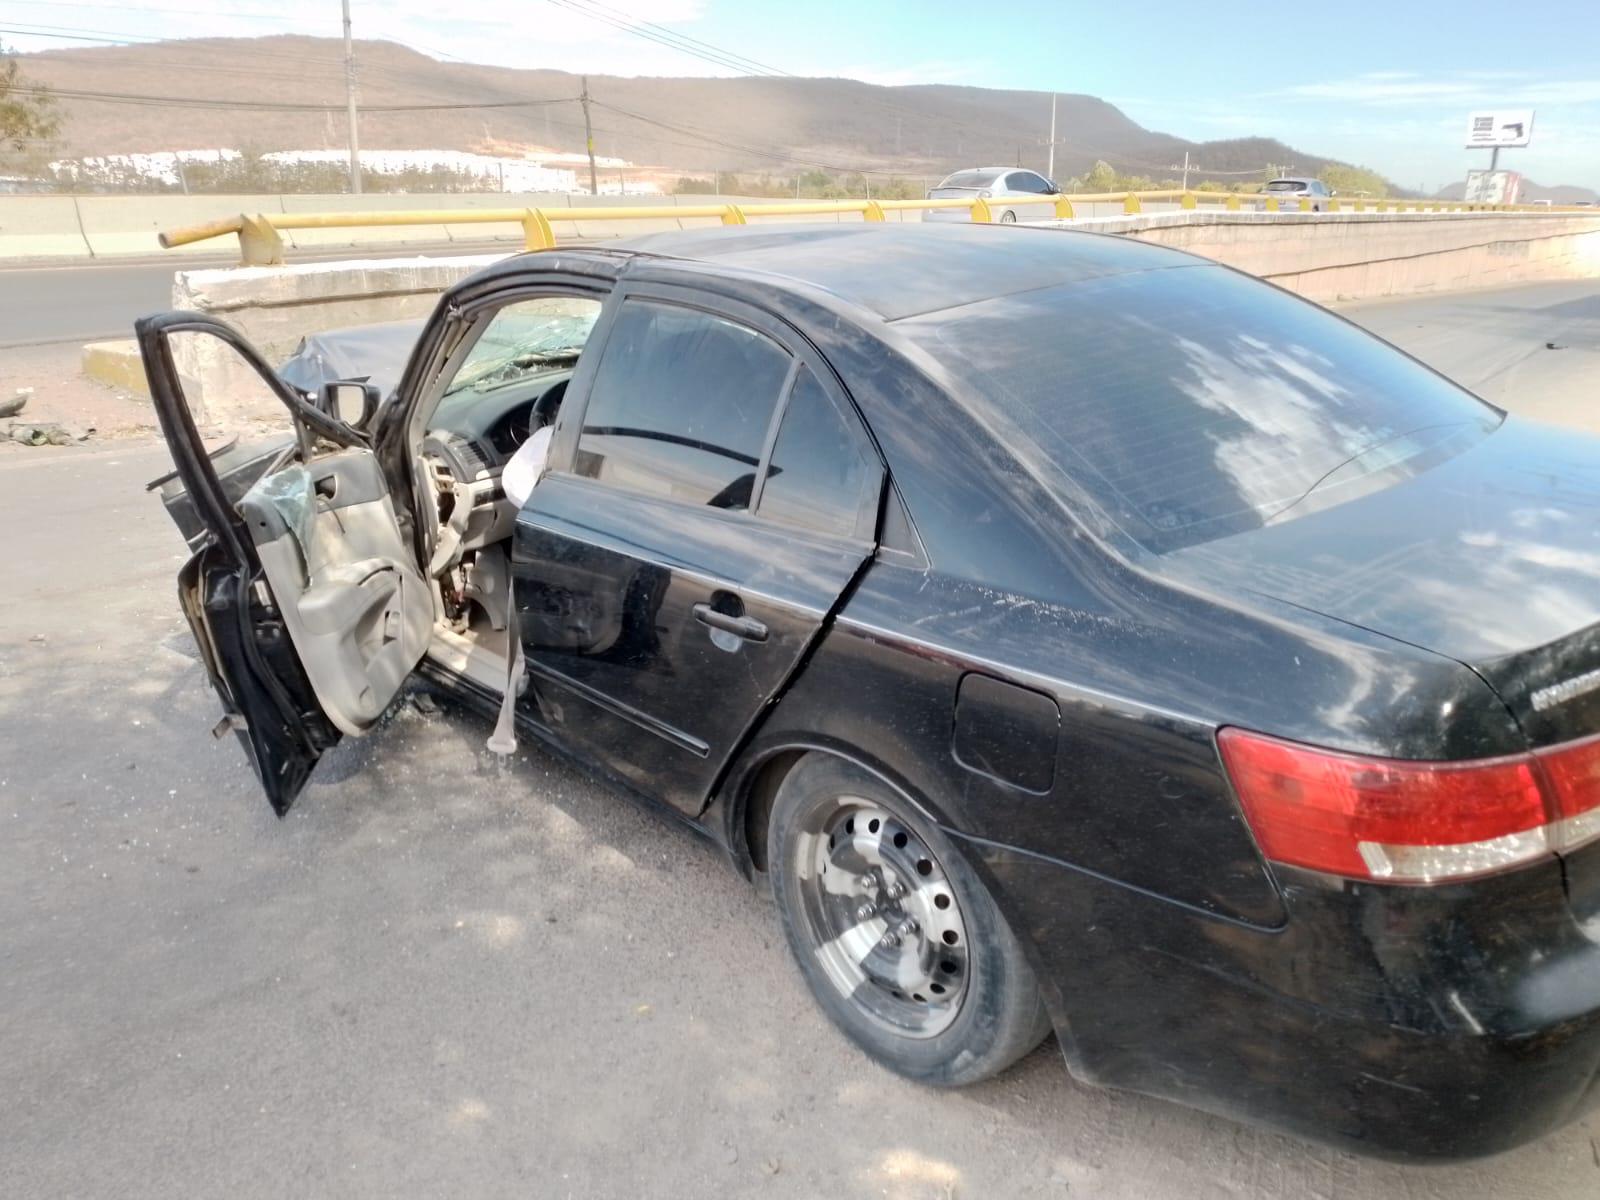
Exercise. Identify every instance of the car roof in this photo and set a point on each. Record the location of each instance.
(897, 270)
(1291, 179)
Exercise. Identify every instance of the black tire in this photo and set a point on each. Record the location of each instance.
(998, 1016)
(1008, 217)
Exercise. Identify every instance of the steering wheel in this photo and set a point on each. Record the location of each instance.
(545, 408)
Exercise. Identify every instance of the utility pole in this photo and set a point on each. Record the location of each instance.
(588, 138)
(350, 103)
(1050, 171)
(1186, 170)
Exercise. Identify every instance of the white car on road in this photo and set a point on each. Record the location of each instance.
(996, 185)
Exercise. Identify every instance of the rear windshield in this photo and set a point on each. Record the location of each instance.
(971, 179)
(1190, 403)
(1286, 185)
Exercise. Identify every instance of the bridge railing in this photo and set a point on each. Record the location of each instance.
(261, 243)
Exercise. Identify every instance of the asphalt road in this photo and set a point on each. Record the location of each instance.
(95, 301)
(443, 976)
(1534, 349)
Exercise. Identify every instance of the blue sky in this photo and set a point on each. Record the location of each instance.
(1387, 85)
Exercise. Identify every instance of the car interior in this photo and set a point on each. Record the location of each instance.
(508, 385)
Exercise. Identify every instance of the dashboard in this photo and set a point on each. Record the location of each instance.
(471, 438)
(475, 433)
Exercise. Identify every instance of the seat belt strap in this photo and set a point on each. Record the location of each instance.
(504, 738)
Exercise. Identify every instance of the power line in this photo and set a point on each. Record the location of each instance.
(666, 37)
(684, 37)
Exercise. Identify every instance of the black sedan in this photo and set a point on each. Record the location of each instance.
(1072, 634)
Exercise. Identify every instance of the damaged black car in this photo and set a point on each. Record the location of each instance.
(1075, 636)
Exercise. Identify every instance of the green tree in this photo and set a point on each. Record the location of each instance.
(27, 111)
(1102, 177)
(1353, 181)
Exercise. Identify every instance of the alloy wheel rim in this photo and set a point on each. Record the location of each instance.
(883, 921)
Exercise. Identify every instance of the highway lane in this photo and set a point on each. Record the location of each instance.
(1534, 349)
(87, 303)
(94, 301)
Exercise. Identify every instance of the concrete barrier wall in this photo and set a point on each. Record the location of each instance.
(40, 227)
(1361, 256)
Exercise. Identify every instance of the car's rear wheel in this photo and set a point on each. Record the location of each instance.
(897, 938)
(1008, 217)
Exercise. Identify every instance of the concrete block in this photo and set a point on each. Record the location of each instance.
(116, 364)
(274, 307)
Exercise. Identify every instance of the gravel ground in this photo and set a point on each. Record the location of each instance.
(443, 976)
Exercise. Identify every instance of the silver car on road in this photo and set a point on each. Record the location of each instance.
(996, 185)
(1289, 190)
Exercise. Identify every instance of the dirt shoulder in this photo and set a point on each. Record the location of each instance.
(62, 394)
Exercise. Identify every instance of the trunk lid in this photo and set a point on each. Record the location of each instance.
(1491, 558)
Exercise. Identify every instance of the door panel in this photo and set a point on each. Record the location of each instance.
(357, 610)
(305, 601)
(656, 631)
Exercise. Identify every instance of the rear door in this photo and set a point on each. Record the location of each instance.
(304, 598)
(711, 495)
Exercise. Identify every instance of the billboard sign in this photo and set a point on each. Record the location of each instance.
(1492, 187)
(1492, 130)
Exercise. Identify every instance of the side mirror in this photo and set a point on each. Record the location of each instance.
(1055, 188)
(350, 402)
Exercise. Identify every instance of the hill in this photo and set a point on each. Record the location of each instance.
(690, 124)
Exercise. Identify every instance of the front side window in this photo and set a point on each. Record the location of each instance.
(1027, 181)
(680, 405)
(818, 467)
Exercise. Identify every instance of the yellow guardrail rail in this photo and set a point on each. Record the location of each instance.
(261, 245)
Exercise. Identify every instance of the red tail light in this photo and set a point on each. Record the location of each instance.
(1414, 822)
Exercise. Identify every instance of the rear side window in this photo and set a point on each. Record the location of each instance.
(680, 405)
(1190, 403)
(818, 467)
(971, 179)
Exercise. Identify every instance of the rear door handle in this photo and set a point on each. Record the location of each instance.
(748, 628)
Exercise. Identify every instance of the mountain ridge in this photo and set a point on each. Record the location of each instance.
(689, 124)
